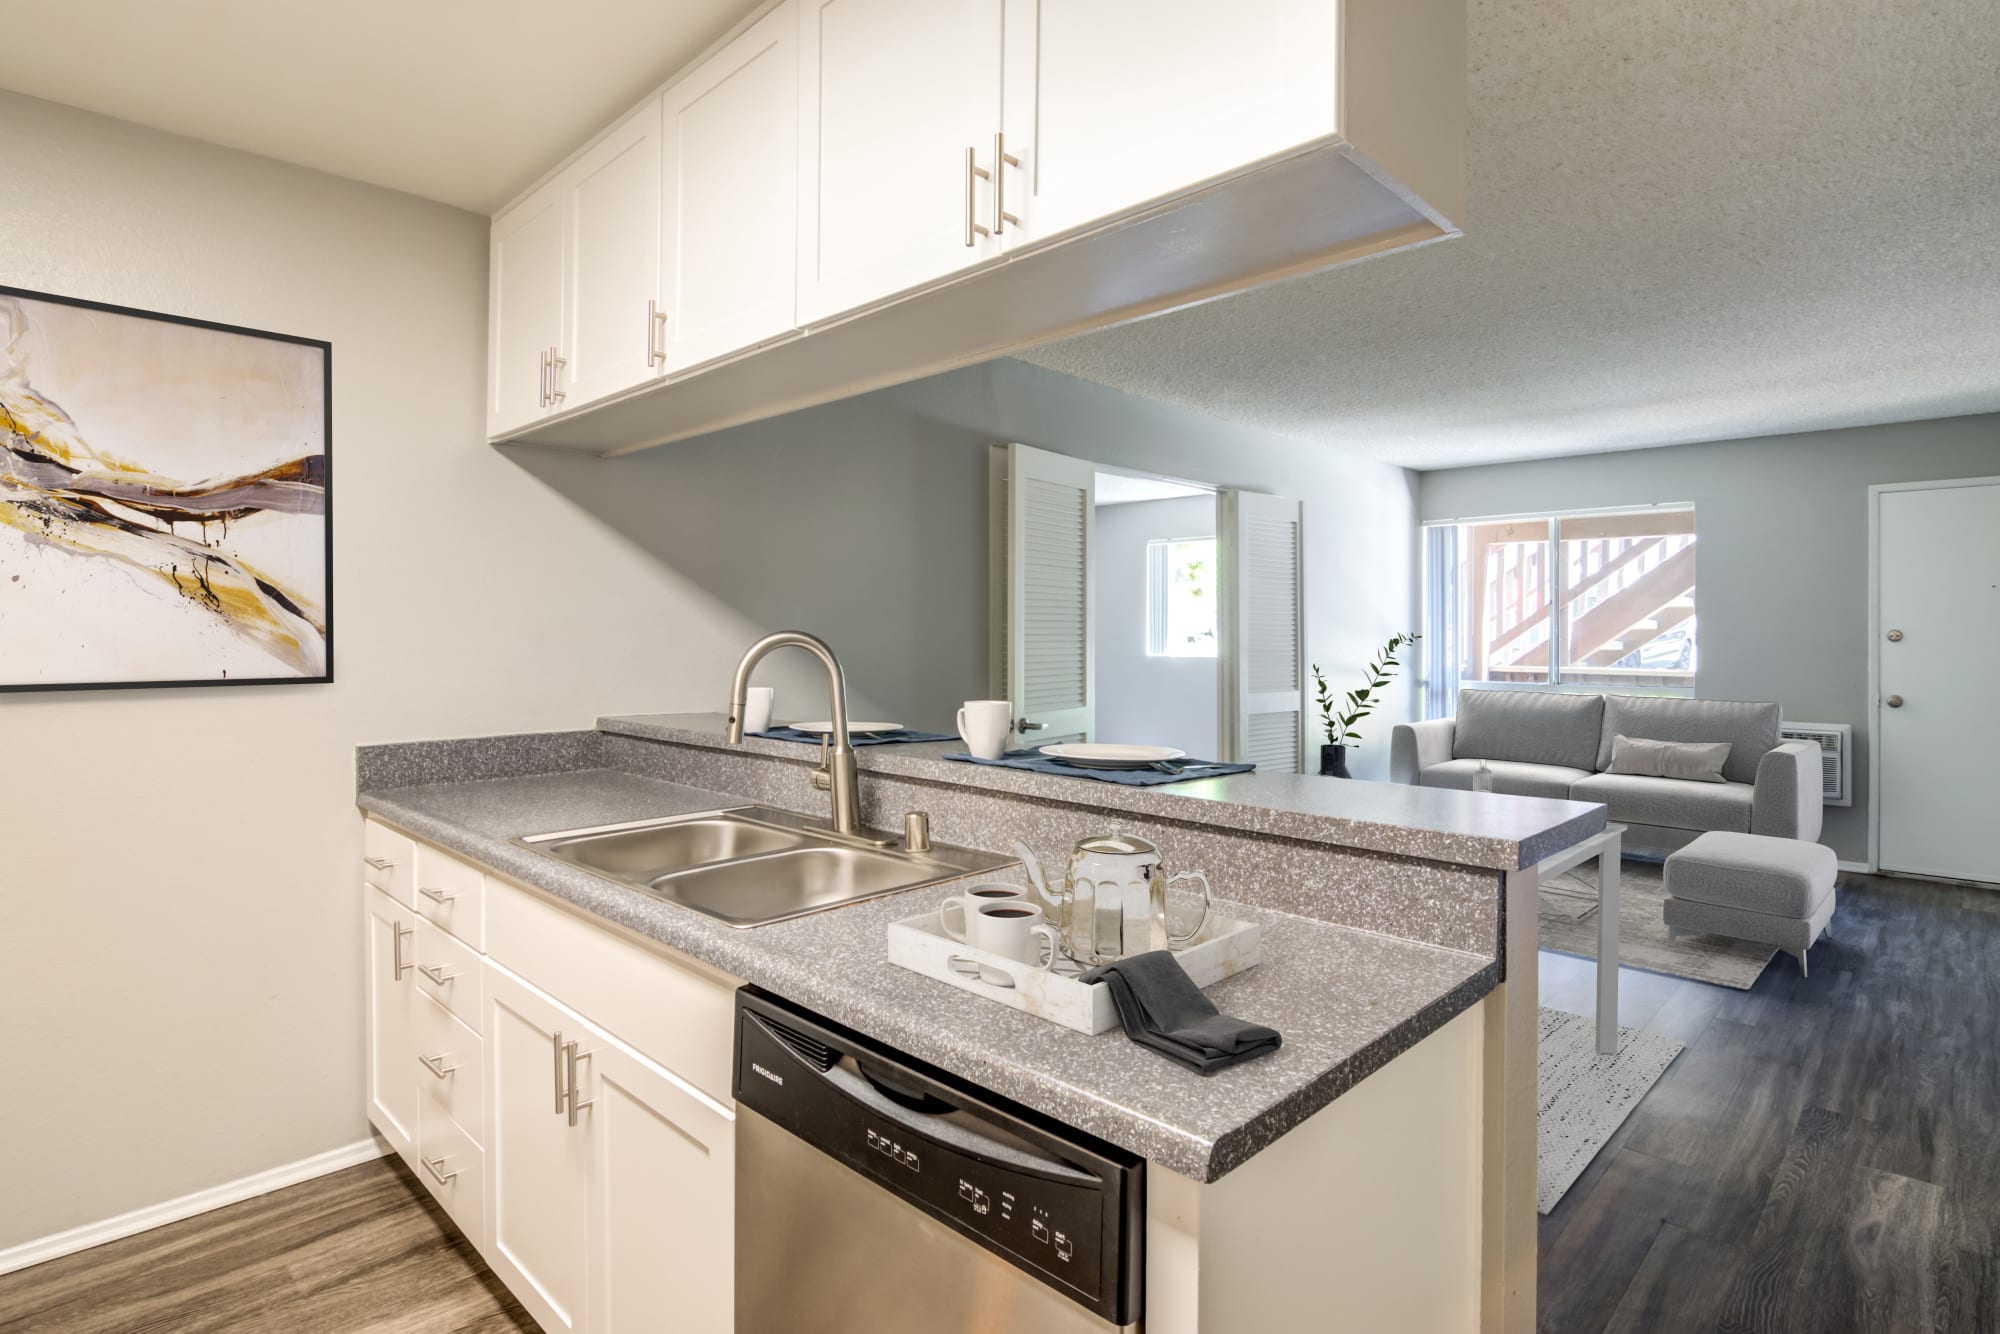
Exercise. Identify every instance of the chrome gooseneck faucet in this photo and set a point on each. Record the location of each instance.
(837, 772)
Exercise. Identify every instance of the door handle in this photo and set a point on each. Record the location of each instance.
(1002, 160)
(1894, 701)
(560, 1095)
(1023, 725)
(656, 320)
(555, 363)
(570, 1057)
(401, 967)
(974, 173)
(542, 381)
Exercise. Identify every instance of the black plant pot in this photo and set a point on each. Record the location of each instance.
(1333, 762)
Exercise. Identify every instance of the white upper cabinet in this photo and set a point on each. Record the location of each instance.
(729, 208)
(524, 321)
(611, 263)
(1112, 103)
(893, 96)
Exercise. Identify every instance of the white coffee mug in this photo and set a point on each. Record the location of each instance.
(1012, 929)
(983, 724)
(963, 904)
(757, 708)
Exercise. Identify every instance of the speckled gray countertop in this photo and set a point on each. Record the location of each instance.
(1347, 1001)
(1466, 828)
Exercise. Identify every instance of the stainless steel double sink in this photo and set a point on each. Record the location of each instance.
(753, 865)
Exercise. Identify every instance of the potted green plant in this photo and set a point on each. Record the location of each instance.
(1339, 718)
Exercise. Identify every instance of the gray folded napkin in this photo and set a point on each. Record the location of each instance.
(1162, 1008)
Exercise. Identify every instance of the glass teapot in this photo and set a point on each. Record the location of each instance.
(1113, 900)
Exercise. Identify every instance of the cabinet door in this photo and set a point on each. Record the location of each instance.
(524, 321)
(663, 1213)
(729, 204)
(393, 1091)
(611, 263)
(538, 1165)
(1117, 102)
(892, 93)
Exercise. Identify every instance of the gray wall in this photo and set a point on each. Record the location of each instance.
(1145, 699)
(865, 521)
(1782, 524)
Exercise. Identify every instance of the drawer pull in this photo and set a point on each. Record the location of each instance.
(436, 1065)
(437, 895)
(435, 1166)
(381, 863)
(438, 974)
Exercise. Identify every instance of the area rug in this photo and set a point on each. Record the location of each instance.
(1584, 1097)
(1569, 926)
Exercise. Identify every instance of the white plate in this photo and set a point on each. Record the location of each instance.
(822, 727)
(1097, 755)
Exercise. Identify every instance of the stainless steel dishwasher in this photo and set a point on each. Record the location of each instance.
(877, 1195)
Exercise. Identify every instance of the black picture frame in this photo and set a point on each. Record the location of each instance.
(325, 350)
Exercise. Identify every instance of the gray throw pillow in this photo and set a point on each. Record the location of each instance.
(1693, 761)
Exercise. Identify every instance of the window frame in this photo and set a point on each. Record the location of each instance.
(1559, 615)
(1158, 575)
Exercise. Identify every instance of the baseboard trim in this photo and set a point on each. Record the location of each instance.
(187, 1206)
(1862, 868)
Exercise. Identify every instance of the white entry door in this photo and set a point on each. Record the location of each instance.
(1261, 650)
(1049, 641)
(1938, 638)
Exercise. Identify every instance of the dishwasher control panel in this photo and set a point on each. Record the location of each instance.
(1064, 1211)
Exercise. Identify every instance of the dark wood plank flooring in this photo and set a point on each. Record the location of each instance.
(366, 1249)
(1824, 1156)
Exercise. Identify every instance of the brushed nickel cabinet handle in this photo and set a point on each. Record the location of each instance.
(656, 320)
(435, 1166)
(974, 173)
(380, 863)
(542, 381)
(401, 967)
(436, 1065)
(439, 975)
(570, 1057)
(1894, 701)
(439, 896)
(1002, 160)
(561, 1094)
(555, 378)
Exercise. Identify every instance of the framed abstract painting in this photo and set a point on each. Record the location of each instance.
(165, 500)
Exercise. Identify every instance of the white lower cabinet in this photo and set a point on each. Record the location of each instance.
(610, 1182)
(391, 992)
(598, 1183)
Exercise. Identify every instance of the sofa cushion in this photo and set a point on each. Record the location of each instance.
(1528, 727)
(1693, 761)
(1509, 776)
(1749, 728)
(1672, 802)
(1781, 876)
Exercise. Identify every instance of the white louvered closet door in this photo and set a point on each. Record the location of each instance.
(1261, 663)
(1051, 611)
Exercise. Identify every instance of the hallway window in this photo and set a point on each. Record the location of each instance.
(1180, 588)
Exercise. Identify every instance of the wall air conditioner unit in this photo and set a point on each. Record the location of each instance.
(1836, 757)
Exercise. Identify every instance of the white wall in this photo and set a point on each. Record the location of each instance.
(1143, 699)
(865, 522)
(1782, 558)
(180, 944)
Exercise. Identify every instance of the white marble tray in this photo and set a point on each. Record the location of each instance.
(1224, 948)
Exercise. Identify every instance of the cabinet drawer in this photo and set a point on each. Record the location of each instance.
(451, 1061)
(451, 893)
(453, 1167)
(675, 1011)
(387, 861)
(447, 971)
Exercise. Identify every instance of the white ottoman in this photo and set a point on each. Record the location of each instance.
(1775, 891)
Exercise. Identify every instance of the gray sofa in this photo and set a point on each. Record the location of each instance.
(1546, 744)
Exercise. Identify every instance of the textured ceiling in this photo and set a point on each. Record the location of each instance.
(463, 101)
(1688, 222)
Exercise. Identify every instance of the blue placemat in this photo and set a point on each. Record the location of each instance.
(1042, 764)
(902, 734)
